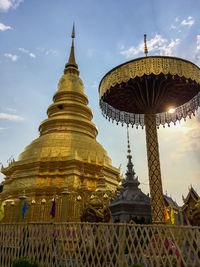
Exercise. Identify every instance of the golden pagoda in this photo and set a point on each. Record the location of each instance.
(64, 163)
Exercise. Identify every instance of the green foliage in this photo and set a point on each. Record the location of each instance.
(24, 262)
(138, 265)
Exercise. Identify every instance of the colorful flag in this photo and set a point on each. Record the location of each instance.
(2, 211)
(172, 216)
(179, 217)
(53, 209)
(166, 214)
(24, 209)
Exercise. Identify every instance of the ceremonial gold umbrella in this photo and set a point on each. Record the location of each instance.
(151, 91)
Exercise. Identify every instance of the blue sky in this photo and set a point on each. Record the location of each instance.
(34, 47)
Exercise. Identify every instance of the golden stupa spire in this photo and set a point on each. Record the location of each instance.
(145, 45)
(72, 62)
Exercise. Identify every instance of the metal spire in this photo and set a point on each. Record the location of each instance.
(145, 45)
(131, 179)
(129, 149)
(130, 171)
(73, 32)
(72, 62)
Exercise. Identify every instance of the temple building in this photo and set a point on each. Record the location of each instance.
(170, 203)
(172, 210)
(64, 163)
(131, 204)
(191, 208)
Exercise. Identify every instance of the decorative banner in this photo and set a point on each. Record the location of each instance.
(172, 216)
(2, 211)
(53, 209)
(166, 214)
(24, 209)
(179, 217)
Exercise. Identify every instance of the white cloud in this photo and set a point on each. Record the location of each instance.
(14, 58)
(47, 51)
(11, 117)
(196, 54)
(4, 27)
(156, 44)
(186, 136)
(50, 52)
(188, 22)
(173, 27)
(132, 51)
(180, 148)
(32, 55)
(177, 19)
(5, 5)
(25, 51)
(167, 49)
(198, 42)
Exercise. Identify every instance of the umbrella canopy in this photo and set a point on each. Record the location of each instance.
(150, 85)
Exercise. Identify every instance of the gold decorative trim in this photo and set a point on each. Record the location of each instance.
(182, 112)
(149, 65)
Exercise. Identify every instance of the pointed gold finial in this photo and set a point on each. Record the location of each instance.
(72, 62)
(73, 32)
(145, 45)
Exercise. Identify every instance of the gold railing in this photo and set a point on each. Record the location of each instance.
(103, 245)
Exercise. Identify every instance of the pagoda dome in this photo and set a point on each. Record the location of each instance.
(71, 82)
(68, 130)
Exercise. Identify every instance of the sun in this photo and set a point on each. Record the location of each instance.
(171, 110)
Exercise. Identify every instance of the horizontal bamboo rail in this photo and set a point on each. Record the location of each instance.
(103, 245)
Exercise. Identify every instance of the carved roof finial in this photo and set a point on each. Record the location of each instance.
(145, 45)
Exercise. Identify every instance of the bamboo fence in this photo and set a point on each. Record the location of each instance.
(103, 245)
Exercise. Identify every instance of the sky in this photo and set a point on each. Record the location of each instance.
(35, 40)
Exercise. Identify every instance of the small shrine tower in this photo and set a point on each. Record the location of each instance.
(131, 205)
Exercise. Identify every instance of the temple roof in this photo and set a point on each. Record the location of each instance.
(170, 202)
(192, 193)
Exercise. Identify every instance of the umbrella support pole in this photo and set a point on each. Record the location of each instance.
(155, 181)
